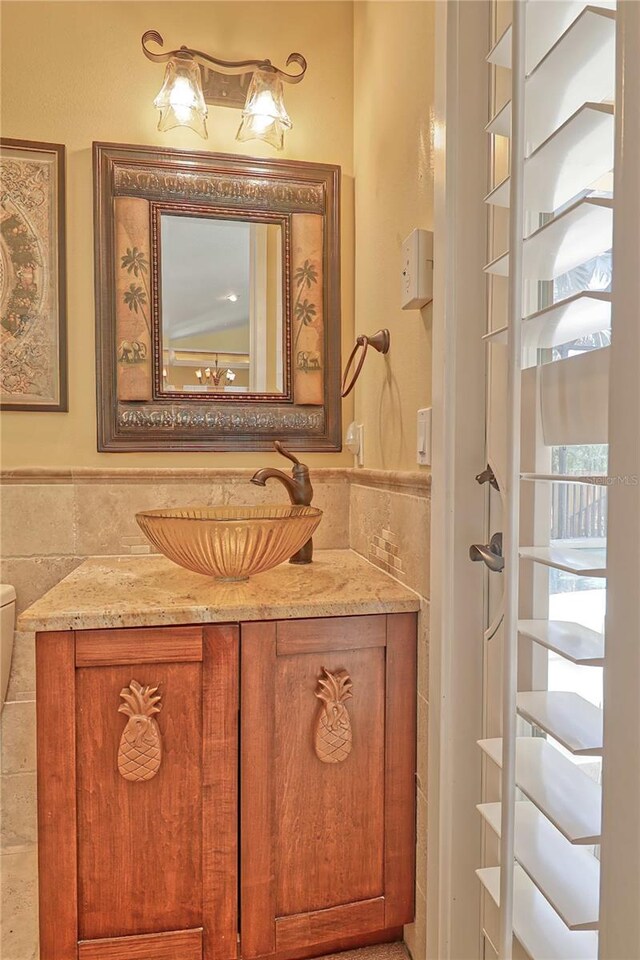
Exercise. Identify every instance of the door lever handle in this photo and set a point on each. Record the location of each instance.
(490, 553)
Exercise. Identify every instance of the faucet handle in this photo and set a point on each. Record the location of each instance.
(285, 453)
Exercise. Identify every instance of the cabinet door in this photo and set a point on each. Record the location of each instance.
(327, 783)
(138, 793)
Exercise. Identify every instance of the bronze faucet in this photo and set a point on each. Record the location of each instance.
(299, 488)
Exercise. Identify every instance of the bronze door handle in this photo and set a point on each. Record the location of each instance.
(490, 553)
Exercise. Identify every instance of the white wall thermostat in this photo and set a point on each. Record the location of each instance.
(417, 270)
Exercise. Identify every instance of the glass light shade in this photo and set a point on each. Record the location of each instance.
(264, 116)
(180, 101)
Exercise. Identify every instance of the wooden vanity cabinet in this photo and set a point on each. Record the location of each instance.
(143, 867)
(327, 815)
(145, 812)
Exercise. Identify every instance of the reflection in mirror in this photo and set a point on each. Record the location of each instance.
(221, 305)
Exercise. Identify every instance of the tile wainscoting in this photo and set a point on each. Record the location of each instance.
(51, 520)
(389, 524)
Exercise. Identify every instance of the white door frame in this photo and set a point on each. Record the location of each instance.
(458, 502)
(455, 681)
(620, 851)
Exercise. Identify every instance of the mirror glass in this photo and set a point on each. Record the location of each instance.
(221, 305)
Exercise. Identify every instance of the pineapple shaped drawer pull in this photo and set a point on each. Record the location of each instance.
(140, 750)
(333, 729)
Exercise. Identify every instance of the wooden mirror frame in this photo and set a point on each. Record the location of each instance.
(131, 184)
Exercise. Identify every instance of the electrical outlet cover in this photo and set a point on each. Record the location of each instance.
(424, 437)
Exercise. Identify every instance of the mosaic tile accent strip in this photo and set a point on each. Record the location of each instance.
(384, 551)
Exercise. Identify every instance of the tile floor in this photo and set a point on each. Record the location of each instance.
(384, 951)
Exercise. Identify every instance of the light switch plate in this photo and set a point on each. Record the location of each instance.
(424, 437)
(417, 270)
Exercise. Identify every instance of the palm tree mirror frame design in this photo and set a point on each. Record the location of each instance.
(304, 311)
(136, 297)
(132, 184)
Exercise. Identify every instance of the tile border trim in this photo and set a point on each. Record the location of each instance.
(408, 481)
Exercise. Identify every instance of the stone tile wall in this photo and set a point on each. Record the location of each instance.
(51, 521)
(389, 524)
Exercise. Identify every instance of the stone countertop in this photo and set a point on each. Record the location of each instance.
(142, 591)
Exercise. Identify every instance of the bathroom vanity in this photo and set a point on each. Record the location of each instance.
(225, 770)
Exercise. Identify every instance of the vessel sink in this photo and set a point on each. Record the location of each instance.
(229, 543)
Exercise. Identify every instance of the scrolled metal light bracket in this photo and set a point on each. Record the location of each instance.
(224, 82)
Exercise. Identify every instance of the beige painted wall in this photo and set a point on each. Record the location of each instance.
(393, 97)
(73, 72)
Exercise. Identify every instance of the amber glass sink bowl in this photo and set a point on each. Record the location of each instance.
(229, 543)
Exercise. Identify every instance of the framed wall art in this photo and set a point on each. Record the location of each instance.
(33, 365)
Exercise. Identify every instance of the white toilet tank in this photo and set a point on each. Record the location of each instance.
(7, 625)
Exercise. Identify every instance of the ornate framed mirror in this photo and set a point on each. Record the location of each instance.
(217, 301)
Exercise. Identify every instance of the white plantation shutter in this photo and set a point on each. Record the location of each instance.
(620, 884)
(558, 195)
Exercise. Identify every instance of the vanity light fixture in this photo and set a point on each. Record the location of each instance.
(193, 79)
(264, 116)
(180, 100)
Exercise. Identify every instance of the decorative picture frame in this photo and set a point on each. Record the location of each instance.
(33, 321)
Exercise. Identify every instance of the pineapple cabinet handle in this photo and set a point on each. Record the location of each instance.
(140, 750)
(333, 734)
